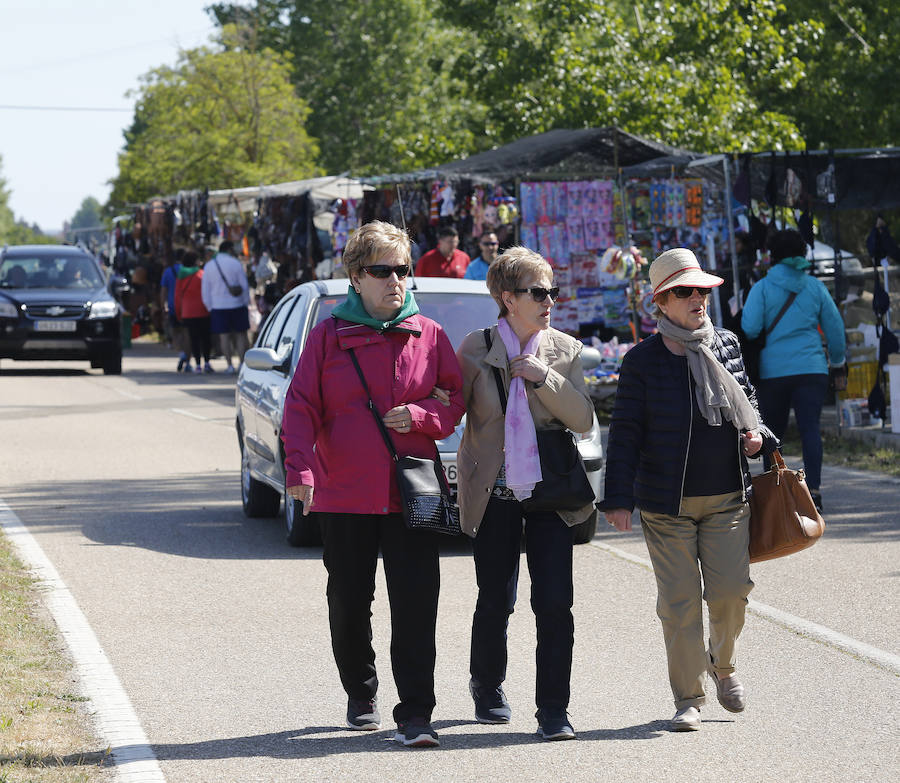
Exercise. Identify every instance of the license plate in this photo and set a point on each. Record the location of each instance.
(55, 326)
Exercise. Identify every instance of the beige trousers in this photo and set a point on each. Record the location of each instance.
(714, 530)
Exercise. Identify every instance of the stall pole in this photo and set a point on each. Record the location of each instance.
(729, 216)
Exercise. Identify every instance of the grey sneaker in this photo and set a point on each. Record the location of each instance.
(416, 733)
(363, 715)
(686, 719)
(491, 705)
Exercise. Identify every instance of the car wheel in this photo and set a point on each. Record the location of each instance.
(112, 364)
(258, 499)
(301, 530)
(584, 531)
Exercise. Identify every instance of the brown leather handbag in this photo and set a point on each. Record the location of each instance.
(783, 517)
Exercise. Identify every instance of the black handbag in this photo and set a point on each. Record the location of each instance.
(564, 485)
(751, 349)
(427, 503)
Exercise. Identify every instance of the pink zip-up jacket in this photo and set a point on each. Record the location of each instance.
(331, 440)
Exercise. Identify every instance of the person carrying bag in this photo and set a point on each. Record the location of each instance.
(521, 379)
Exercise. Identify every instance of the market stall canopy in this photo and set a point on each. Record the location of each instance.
(861, 178)
(561, 153)
(320, 188)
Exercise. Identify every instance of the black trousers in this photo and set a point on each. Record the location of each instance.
(548, 550)
(201, 339)
(412, 571)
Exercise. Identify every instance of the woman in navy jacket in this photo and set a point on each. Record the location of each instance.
(684, 422)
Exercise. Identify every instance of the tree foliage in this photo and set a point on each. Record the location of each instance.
(379, 75)
(17, 232)
(7, 219)
(221, 117)
(88, 214)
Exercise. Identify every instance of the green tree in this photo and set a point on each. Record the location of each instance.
(88, 214)
(380, 78)
(7, 220)
(221, 117)
(852, 68)
(686, 73)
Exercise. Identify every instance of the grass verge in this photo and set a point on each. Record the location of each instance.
(45, 732)
(848, 452)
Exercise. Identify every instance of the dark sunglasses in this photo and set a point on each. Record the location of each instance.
(685, 291)
(490, 244)
(539, 294)
(383, 271)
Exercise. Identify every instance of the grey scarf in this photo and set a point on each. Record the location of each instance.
(718, 392)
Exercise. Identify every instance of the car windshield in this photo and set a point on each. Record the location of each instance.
(50, 271)
(458, 313)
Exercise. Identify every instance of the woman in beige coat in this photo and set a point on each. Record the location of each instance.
(542, 381)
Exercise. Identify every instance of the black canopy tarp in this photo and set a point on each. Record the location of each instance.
(560, 153)
(863, 179)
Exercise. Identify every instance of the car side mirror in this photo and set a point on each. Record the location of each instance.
(118, 285)
(265, 359)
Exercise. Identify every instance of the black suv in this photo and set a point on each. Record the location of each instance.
(55, 303)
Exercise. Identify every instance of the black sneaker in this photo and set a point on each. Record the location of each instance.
(362, 715)
(817, 499)
(416, 733)
(553, 724)
(491, 705)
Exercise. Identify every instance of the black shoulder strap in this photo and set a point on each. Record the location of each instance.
(371, 406)
(782, 311)
(221, 273)
(497, 379)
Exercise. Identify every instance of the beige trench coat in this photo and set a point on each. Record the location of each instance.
(562, 403)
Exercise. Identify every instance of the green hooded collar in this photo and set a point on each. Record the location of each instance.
(187, 271)
(353, 310)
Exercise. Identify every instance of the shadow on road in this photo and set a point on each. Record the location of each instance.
(307, 743)
(190, 515)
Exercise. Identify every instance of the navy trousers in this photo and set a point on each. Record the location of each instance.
(548, 549)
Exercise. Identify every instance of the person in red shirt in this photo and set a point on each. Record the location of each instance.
(446, 260)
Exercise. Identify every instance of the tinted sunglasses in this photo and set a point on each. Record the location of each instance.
(685, 291)
(490, 244)
(383, 271)
(539, 294)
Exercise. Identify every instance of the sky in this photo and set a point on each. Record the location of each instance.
(85, 54)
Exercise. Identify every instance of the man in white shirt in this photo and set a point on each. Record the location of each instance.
(226, 294)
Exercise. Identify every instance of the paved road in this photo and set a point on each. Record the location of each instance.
(218, 630)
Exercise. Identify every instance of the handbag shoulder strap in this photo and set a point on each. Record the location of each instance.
(781, 312)
(371, 406)
(222, 274)
(497, 379)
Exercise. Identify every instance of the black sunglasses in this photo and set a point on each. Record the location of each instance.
(490, 244)
(539, 294)
(685, 291)
(383, 271)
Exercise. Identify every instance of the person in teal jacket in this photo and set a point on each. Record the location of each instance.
(793, 365)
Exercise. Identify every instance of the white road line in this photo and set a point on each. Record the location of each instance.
(182, 412)
(128, 394)
(115, 717)
(818, 633)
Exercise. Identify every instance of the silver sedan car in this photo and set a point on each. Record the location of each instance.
(460, 306)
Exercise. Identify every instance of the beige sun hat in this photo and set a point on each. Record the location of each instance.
(679, 266)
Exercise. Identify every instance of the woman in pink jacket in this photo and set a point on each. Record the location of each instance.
(338, 465)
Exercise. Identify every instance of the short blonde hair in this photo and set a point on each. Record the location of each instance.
(372, 242)
(510, 268)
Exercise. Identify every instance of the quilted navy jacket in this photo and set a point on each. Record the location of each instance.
(649, 434)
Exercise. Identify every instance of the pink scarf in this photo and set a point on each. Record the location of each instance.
(523, 464)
